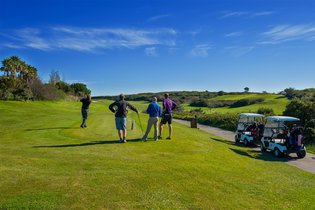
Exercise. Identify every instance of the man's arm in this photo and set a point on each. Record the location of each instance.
(132, 107)
(174, 105)
(111, 107)
(149, 109)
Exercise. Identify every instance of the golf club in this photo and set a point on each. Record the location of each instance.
(140, 123)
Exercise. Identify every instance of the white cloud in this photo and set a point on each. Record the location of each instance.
(89, 39)
(283, 33)
(265, 13)
(200, 50)
(233, 34)
(155, 18)
(234, 14)
(151, 51)
(246, 14)
(237, 51)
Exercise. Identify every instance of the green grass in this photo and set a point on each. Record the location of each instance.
(48, 162)
(274, 101)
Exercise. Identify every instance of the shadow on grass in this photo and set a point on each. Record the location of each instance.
(240, 144)
(54, 128)
(88, 143)
(223, 141)
(265, 156)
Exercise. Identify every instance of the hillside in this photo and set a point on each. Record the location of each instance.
(48, 162)
(273, 101)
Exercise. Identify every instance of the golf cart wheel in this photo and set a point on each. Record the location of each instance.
(277, 153)
(301, 154)
(246, 142)
(262, 148)
(236, 139)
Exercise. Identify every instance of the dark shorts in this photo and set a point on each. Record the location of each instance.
(166, 118)
(121, 123)
(85, 113)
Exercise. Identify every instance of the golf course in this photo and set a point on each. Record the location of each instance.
(49, 162)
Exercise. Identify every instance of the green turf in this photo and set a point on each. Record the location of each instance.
(274, 101)
(48, 162)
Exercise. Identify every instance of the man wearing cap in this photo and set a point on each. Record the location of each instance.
(120, 109)
(154, 110)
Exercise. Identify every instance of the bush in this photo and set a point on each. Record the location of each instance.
(300, 109)
(266, 111)
(199, 103)
(225, 121)
(309, 132)
(246, 102)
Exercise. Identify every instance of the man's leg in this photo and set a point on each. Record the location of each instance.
(119, 134)
(156, 130)
(148, 129)
(170, 131)
(124, 134)
(161, 130)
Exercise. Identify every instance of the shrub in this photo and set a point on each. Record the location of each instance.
(300, 109)
(266, 111)
(199, 103)
(309, 132)
(246, 102)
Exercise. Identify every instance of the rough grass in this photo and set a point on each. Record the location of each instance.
(48, 162)
(273, 101)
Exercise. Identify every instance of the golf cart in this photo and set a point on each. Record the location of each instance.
(248, 129)
(282, 136)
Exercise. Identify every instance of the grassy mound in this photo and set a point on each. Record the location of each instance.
(48, 162)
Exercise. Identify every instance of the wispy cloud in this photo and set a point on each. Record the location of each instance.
(246, 14)
(151, 51)
(237, 51)
(283, 33)
(200, 50)
(158, 17)
(233, 34)
(89, 39)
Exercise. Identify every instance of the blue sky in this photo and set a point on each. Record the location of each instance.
(137, 46)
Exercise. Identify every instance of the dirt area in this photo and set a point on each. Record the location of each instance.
(306, 164)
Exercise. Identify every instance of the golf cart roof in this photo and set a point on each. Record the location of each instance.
(251, 115)
(282, 118)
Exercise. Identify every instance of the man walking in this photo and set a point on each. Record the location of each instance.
(121, 111)
(168, 107)
(86, 101)
(154, 110)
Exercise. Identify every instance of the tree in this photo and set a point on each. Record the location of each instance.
(300, 109)
(246, 89)
(80, 89)
(54, 77)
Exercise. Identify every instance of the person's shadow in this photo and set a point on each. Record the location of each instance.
(53, 128)
(89, 143)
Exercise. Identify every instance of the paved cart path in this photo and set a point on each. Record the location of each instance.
(306, 164)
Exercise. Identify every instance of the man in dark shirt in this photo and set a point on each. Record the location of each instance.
(120, 109)
(168, 107)
(85, 109)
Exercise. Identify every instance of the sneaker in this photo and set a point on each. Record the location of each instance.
(159, 137)
(81, 126)
(156, 139)
(85, 126)
(124, 141)
(168, 138)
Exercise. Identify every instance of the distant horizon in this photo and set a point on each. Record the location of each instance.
(120, 46)
(169, 91)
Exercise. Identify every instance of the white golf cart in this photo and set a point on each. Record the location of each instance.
(248, 130)
(282, 136)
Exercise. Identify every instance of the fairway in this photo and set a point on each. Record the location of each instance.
(49, 162)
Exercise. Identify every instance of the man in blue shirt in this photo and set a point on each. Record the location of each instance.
(154, 110)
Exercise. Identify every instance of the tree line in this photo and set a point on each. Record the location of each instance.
(20, 81)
